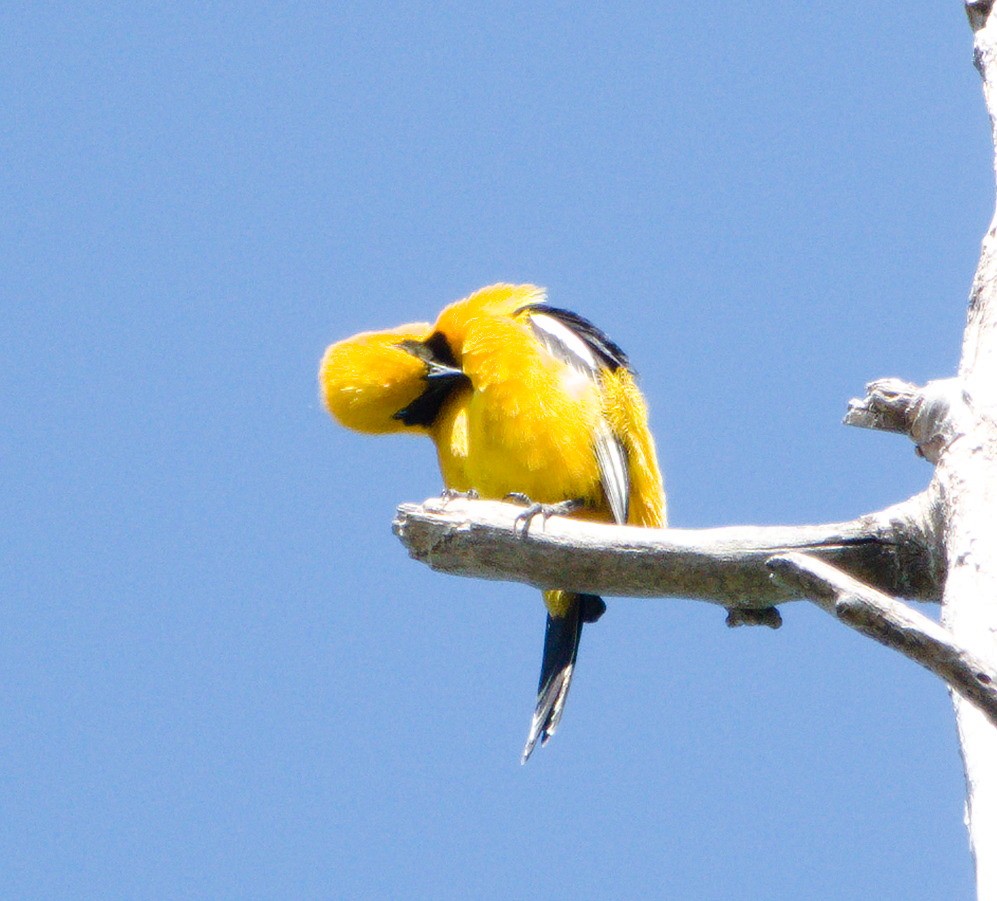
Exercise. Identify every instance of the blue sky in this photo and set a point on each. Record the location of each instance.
(221, 674)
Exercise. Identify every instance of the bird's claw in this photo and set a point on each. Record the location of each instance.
(451, 494)
(563, 508)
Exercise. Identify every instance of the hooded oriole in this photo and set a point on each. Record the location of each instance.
(519, 398)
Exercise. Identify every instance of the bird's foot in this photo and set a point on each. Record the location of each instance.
(563, 508)
(451, 494)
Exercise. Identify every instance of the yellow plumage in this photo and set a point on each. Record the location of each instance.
(367, 378)
(521, 398)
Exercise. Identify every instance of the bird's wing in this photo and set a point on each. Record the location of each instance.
(577, 342)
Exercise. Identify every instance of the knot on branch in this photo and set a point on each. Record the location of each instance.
(934, 426)
(754, 616)
(929, 415)
(888, 406)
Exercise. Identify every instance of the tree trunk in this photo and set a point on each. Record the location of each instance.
(966, 482)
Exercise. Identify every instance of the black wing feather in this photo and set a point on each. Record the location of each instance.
(604, 347)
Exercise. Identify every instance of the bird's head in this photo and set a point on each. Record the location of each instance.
(388, 381)
(397, 380)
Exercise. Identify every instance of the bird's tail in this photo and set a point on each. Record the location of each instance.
(567, 613)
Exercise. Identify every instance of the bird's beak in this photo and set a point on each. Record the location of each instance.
(441, 376)
(436, 372)
(438, 369)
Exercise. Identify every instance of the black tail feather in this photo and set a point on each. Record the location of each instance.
(561, 640)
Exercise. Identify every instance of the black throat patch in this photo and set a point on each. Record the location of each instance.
(442, 379)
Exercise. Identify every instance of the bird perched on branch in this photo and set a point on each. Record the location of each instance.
(520, 398)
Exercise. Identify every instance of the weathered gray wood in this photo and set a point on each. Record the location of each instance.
(966, 486)
(893, 624)
(724, 566)
(889, 406)
(932, 416)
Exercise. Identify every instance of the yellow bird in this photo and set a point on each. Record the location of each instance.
(520, 398)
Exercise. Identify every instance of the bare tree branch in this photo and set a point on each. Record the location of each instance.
(889, 406)
(932, 416)
(893, 624)
(726, 566)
